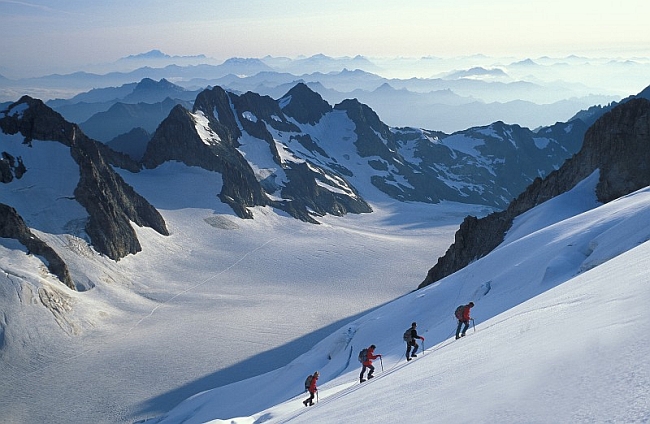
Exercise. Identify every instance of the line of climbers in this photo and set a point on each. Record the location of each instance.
(367, 355)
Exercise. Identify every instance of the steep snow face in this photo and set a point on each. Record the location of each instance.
(560, 335)
(47, 204)
(258, 155)
(203, 129)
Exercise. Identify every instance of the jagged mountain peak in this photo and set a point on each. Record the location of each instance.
(162, 84)
(406, 163)
(222, 126)
(360, 112)
(37, 121)
(304, 105)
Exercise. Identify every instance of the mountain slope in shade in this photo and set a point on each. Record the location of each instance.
(617, 145)
(80, 174)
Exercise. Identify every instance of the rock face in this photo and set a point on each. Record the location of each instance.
(110, 202)
(209, 137)
(304, 105)
(618, 144)
(13, 226)
(321, 153)
(10, 167)
(625, 136)
(177, 138)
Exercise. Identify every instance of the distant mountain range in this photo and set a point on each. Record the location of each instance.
(109, 112)
(157, 54)
(525, 92)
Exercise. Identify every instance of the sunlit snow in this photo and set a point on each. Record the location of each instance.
(556, 338)
(222, 320)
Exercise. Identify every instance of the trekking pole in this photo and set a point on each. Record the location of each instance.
(423, 348)
(473, 325)
(316, 396)
(382, 364)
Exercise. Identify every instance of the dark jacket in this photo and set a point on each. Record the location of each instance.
(414, 335)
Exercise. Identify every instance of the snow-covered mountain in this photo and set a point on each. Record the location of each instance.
(297, 154)
(616, 144)
(218, 299)
(192, 297)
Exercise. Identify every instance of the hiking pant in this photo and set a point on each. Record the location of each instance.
(412, 344)
(460, 324)
(310, 401)
(363, 370)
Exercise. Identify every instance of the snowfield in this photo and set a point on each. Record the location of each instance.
(219, 300)
(222, 320)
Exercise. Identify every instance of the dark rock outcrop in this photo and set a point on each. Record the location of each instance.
(618, 144)
(304, 105)
(370, 130)
(13, 226)
(111, 203)
(305, 190)
(177, 139)
(10, 167)
(208, 137)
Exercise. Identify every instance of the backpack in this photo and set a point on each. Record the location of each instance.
(459, 312)
(407, 335)
(363, 355)
(308, 381)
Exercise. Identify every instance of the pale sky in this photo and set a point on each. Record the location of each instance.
(40, 37)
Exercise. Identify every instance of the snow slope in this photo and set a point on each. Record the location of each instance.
(241, 310)
(219, 300)
(561, 336)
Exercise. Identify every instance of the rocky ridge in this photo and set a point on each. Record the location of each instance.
(111, 203)
(617, 144)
